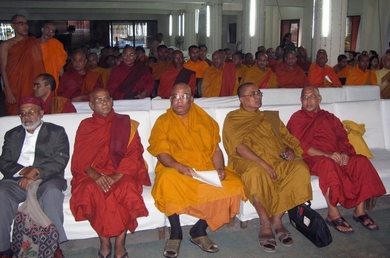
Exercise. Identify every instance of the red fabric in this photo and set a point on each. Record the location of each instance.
(349, 185)
(228, 79)
(167, 81)
(119, 74)
(66, 108)
(291, 78)
(304, 64)
(115, 211)
(273, 64)
(317, 76)
(30, 100)
(73, 84)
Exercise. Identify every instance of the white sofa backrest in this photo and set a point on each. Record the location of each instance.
(119, 105)
(385, 115)
(358, 93)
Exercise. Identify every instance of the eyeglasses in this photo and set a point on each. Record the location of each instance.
(185, 97)
(128, 55)
(20, 23)
(28, 113)
(253, 94)
(50, 30)
(101, 100)
(311, 96)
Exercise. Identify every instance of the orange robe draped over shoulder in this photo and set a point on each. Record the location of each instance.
(169, 78)
(317, 76)
(113, 212)
(57, 105)
(257, 76)
(291, 78)
(198, 67)
(219, 83)
(104, 72)
(358, 77)
(193, 145)
(158, 68)
(24, 64)
(342, 74)
(54, 58)
(73, 84)
(350, 184)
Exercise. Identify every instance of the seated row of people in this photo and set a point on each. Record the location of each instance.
(264, 166)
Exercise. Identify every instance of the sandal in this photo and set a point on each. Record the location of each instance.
(339, 222)
(284, 236)
(205, 243)
(123, 256)
(361, 219)
(102, 256)
(267, 242)
(172, 247)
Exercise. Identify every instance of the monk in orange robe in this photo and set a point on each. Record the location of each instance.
(184, 140)
(342, 68)
(54, 54)
(20, 61)
(177, 74)
(248, 61)
(241, 69)
(219, 80)
(360, 75)
(260, 74)
(289, 74)
(93, 66)
(44, 87)
(194, 64)
(78, 81)
(321, 74)
(203, 54)
(159, 67)
(345, 177)
(108, 173)
(130, 81)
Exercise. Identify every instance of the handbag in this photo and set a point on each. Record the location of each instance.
(33, 235)
(310, 224)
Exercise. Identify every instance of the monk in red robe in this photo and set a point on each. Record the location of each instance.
(345, 177)
(272, 63)
(302, 60)
(78, 81)
(130, 81)
(20, 61)
(93, 66)
(108, 173)
(289, 74)
(321, 74)
(44, 87)
(177, 74)
(342, 68)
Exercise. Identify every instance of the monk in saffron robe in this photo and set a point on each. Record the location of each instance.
(360, 75)
(203, 54)
(78, 81)
(162, 64)
(130, 81)
(20, 61)
(54, 54)
(108, 173)
(177, 74)
(302, 60)
(345, 177)
(383, 77)
(185, 139)
(260, 74)
(272, 63)
(342, 68)
(289, 74)
(321, 74)
(194, 64)
(219, 79)
(93, 66)
(44, 87)
(241, 69)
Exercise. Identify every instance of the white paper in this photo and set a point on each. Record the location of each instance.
(328, 79)
(209, 177)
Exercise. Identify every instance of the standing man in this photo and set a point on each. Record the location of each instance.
(34, 150)
(20, 61)
(54, 54)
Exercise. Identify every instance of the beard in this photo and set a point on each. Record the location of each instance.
(32, 126)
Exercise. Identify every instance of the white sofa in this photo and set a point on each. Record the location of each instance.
(373, 113)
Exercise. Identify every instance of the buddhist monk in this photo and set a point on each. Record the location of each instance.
(383, 77)
(279, 53)
(44, 87)
(321, 74)
(184, 140)
(141, 57)
(219, 79)
(360, 75)
(272, 63)
(54, 54)
(203, 54)
(241, 69)
(248, 59)
(177, 74)
(341, 68)
(263, 152)
(302, 60)
(130, 81)
(21, 61)
(108, 173)
(78, 81)
(289, 74)
(345, 177)
(93, 66)
(194, 64)
(162, 64)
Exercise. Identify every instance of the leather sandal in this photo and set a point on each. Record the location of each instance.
(284, 236)
(172, 248)
(339, 222)
(205, 243)
(267, 242)
(361, 219)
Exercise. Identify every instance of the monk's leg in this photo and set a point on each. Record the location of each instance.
(105, 246)
(359, 211)
(334, 213)
(120, 250)
(199, 229)
(176, 231)
(265, 222)
(282, 233)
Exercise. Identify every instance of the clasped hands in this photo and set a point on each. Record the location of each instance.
(30, 174)
(340, 158)
(105, 181)
(188, 171)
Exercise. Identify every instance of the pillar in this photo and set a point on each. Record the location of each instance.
(250, 43)
(214, 41)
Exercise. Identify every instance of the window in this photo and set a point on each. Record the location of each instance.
(133, 33)
(290, 26)
(351, 32)
(233, 33)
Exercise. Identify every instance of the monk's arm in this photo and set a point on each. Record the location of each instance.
(168, 161)
(4, 47)
(218, 163)
(101, 180)
(337, 157)
(247, 153)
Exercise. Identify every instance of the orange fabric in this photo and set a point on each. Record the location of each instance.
(257, 76)
(158, 68)
(193, 145)
(198, 67)
(168, 79)
(317, 76)
(73, 84)
(291, 78)
(358, 77)
(104, 72)
(54, 58)
(24, 64)
(218, 83)
(113, 212)
(240, 72)
(56, 105)
(343, 73)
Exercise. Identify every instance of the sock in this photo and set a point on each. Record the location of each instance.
(199, 229)
(176, 232)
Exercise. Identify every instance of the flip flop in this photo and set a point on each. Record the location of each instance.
(102, 256)
(172, 247)
(339, 222)
(284, 236)
(123, 256)
(205, 243)
(363, 218)
(267, 242)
